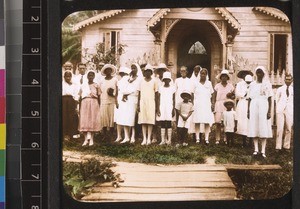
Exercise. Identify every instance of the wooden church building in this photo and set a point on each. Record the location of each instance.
(233, 37)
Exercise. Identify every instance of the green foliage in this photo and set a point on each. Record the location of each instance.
(103, 55)
(78, 178)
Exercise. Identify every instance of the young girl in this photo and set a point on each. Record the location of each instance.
(229, 121)
(109, 94)
(259, 111)
(241, 92)
(166, 111)
(223, 89)
(70, 96)
(184, 111)
(202, 116)
(89, 110)
(147, 104)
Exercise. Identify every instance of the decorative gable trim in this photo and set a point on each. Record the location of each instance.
(233, 22)
(273, 12)
(157, 17)
(97, 18)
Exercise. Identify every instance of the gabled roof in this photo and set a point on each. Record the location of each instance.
(273, 12)
(156, 17)
(97, 18)
(229, 17)
(221, 10)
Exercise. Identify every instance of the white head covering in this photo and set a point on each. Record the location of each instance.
(266, 74)
(139, 70)
(201, 69)
(194, 77)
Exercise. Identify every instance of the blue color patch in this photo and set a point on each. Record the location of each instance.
(2, 189)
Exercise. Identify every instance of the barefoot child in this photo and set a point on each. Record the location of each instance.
(166, 111)
(147, 104)
(229, 121)
(184, 111)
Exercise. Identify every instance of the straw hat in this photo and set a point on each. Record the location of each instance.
(162, 66)
(223, 72)
(167, 75)
(227, 101)
(149, 67)
(243, 73)
(186, 93)
(106, 66)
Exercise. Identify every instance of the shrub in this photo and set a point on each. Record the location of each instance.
(78, 178)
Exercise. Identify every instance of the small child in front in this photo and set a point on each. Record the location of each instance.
(184, 111)
(229, 121)
(166, 111)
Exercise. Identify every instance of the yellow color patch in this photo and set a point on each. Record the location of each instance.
(2, 136)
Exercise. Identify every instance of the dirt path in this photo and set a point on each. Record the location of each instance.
(144, 182)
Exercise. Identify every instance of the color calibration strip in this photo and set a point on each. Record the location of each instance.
(2, 107)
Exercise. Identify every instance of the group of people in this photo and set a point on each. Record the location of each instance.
(141, 95)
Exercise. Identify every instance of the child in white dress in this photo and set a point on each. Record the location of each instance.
(184, 111)
(229, 121)
(166, 109)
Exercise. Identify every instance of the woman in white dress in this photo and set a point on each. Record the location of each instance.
(259, 112)
(203, 117)
(241, 93)
(194, 78)
(130, 94)
(121, 106)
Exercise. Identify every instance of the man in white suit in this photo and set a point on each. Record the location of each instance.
(284, 113)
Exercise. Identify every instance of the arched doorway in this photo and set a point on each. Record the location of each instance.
(197, 35)
(192, 53)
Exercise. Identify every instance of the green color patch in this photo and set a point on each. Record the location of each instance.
(2, 162)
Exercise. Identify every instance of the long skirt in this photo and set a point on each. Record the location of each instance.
(107, 115)
(89, 115)
(259, 125)
(69, 117)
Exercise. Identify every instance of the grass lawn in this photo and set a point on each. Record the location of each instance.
(249, 184)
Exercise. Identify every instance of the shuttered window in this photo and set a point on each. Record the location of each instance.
(111, 40)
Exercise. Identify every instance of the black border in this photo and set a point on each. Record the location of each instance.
(59, 9)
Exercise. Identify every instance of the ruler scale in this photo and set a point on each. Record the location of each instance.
(31, 147)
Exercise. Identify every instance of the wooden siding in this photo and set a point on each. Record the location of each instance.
(252, 42)
(134, 34)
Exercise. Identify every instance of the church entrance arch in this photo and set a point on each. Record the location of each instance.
(195, 42)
